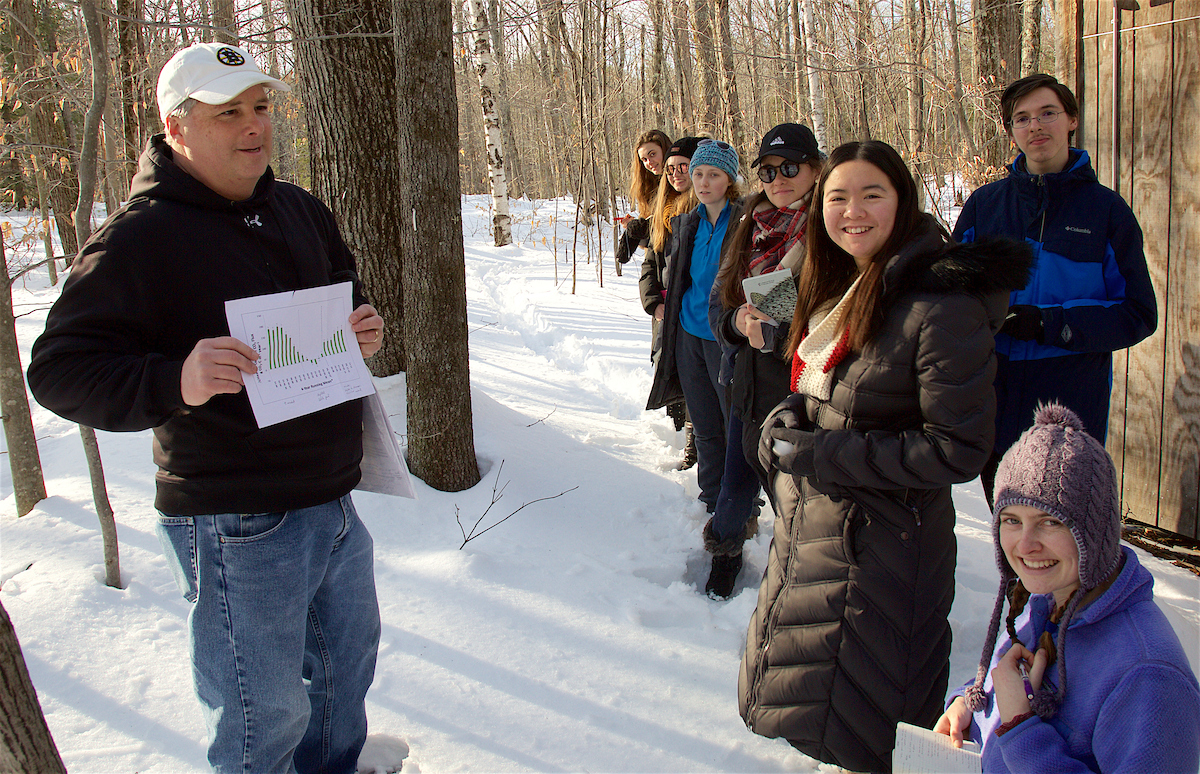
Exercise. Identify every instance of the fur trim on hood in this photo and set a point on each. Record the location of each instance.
(979, 268)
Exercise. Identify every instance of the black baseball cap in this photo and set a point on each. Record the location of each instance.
(795, 142)
(684, 146)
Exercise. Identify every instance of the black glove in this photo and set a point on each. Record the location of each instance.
(625, 248)
(1024, 322)
(784, 424)
(637, 231)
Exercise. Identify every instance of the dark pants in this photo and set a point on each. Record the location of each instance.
(739, 486)
(698, 362)
(987, 476)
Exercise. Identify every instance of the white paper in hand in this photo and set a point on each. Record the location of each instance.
(921, 751)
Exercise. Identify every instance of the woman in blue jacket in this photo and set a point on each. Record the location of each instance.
(1089, 676)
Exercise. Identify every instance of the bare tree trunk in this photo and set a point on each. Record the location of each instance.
(131, 62)
(23, 459)
(658, 71)
(485, 67)
(441, 446)
(799, 80)
(1031, 36)
(816, 94)
(997, 53)
(512, 156)
(44, 219)
(959, 111)
(83, 229)
(733, 111)
(355, 168)
(26, 745)
(683, 66)
(48, 133)
(861, 40)
(225, 22)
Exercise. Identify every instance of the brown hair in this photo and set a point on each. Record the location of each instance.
(1018, 89)
(736, 263)
(642, 182)
(829, 270)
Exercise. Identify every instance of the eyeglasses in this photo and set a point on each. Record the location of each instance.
(718, 143)
(766, 173)
(1049, 117)
(677, 168)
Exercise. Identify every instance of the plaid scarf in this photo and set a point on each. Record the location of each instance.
(776, 229)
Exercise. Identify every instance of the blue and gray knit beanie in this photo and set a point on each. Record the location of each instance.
(716, 154)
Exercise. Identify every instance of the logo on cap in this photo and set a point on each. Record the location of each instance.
(778, 141)
(231, 57)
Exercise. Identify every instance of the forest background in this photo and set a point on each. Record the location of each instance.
(575, 82)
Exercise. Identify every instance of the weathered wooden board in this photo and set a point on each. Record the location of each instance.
(1146, 163)
(1180, 440)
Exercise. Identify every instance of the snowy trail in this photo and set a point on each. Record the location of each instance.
(570, 638)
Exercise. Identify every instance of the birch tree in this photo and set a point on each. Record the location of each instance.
(485, 69)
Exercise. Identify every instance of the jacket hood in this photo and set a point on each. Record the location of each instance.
(980, 268)
(159, 177)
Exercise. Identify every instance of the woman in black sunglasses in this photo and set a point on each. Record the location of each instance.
(755, 365)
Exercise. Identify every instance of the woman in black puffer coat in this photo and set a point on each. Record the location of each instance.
(893, 368)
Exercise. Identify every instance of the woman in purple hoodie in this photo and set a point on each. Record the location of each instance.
(1089, 676)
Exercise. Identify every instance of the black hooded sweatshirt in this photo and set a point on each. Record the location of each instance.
(152, 282)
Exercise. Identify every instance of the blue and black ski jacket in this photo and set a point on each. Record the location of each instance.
(1089, 279)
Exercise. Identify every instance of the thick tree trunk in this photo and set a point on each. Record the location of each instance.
(355, 168)
(997, 32)
(485, 67)
(706, 59)
(441, 447)
(224, 22)
(29, 487)
(733, 111)
(26, 746)
(131, 63)
(1031, 36)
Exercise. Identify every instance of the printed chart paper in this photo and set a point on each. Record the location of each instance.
(308, 358)
(383, 467)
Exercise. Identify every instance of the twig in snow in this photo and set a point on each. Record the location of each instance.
(497, 493)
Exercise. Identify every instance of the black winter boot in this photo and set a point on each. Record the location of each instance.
(689, 449)
(727, 558)
(723, 575)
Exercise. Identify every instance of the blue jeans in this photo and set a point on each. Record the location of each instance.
(284, 630)
(739, 485)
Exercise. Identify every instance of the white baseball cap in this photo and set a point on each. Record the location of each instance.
(212, 73)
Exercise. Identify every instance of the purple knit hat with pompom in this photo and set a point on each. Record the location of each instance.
(1058, 468)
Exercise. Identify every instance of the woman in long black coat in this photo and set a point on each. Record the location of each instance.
(892, 371)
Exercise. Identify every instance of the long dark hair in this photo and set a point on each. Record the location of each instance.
(643, 184)
(829, 271)
(736, 263)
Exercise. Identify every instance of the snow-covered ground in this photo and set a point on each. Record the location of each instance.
(570, 638)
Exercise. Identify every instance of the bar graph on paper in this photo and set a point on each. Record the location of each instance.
(308, 357)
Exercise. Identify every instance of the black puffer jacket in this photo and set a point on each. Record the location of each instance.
(666, 388)
(850, 634)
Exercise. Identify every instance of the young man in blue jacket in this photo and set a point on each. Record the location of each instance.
(1089, 292)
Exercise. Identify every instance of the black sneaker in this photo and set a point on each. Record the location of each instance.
(721, 577)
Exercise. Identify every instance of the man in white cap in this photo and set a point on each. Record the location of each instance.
(257, 524)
